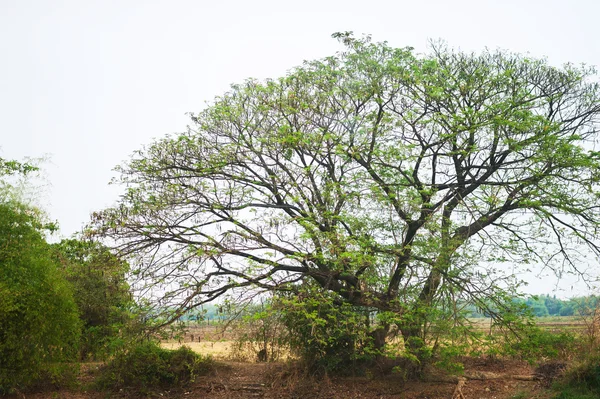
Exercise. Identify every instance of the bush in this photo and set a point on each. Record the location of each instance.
(101, 292)
(146, 367)
(39, 323)
(581, 381)
(536, 343)
(327, 336)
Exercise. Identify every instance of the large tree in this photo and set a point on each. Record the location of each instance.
(387, 178)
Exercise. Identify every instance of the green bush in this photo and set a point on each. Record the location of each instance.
(39, 323)
(102, 295)
(327, 336)
(535, 343)
(146, 367)
(581, 381)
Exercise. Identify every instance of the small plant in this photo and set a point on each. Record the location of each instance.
(520, 395)
(146, 367)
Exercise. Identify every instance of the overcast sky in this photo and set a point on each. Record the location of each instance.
(88, 82)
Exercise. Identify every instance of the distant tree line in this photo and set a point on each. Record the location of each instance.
(547, 305)
(538, 306)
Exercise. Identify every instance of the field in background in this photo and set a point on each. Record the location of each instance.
(575, 324)
(219, 350)
(219, 342)
(213, 340)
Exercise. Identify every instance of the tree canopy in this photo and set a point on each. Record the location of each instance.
(392, 180)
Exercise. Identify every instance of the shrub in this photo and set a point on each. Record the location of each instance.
(327, 336)
(101, 292)
(39, 323)
(146, 367)
(582, 380)
(535, 343)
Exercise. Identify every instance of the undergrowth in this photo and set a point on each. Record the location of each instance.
(582, 380)
(147, 367)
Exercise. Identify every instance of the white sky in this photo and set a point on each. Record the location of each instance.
(87, 82)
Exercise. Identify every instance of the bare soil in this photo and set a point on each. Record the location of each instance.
(278, 380)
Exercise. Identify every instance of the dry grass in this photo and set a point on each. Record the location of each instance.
(218, 350)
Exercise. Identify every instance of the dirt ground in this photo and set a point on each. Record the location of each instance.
(278, 380)
(245, 380)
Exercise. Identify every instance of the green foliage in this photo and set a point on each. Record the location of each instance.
(533, 343)
(418, 349)
(14, 167)
(328, 337)
(146, 367)
(101, 292)
(581, 381)
(576, 393)
(447, 358)
(39, 324)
